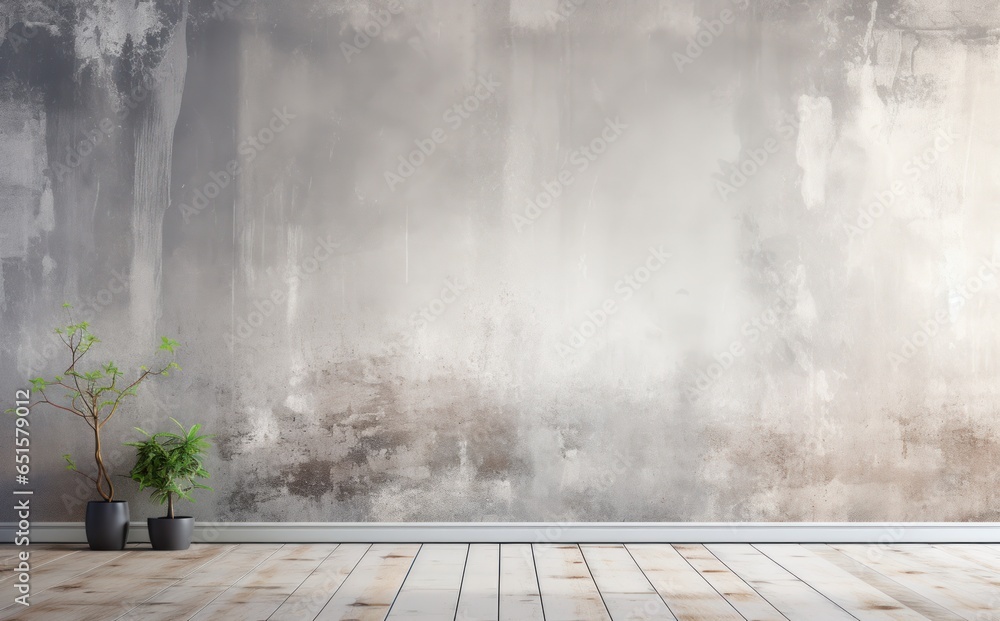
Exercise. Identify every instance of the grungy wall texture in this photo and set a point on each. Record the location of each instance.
(519, 260)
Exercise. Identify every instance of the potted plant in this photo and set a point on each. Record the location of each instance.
(95, 394)
(169, 464)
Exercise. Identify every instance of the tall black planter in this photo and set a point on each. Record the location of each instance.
(170, 533)
(107, 524)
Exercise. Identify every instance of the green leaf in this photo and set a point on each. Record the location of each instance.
(70, 464)
(67, 305)
(168, 344)
(170, 463)
(38, 383)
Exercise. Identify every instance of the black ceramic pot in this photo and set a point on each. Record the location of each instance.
(107, 524)
(170, 533)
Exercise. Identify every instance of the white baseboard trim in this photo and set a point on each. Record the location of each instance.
(578, 532)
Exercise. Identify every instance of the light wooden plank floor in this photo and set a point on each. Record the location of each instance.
(511, 582)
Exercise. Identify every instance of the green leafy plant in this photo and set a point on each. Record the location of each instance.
(168, 463)
(94, 394)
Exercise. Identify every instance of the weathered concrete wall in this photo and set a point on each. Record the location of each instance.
(520, 260)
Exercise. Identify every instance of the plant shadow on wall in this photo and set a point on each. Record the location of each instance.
(96, 395)
(169, 464)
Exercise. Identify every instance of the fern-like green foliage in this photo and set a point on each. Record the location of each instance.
(170, 463)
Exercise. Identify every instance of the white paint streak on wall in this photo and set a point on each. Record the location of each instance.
(26, 208)
(154, 143)
(812, 151)
(888, 56)
(25, 196)
(293, 266)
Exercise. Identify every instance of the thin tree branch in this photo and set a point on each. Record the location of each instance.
(56, 405)
(125, 391)
(85, 474)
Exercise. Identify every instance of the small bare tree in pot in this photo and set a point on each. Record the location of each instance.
(169, 464)
(95, 393)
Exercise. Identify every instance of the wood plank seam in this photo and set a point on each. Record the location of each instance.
(721, 595)
(70, 577)
(519, 597)
(413, 562)
(859, 597)
(914, 600)
(744, 580)
(586, 564)
(538, 579)
(180, 579)
(175, 582)
(651, 585)
(992, 564)
(244, 575)
(461, 582)
(841, 579)
(500, 578)
(969, 596)
(792, 573)
(326, 599)
(731, 575)
(371, 589)
(886, 576)
(303, 581)
(14, 560)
